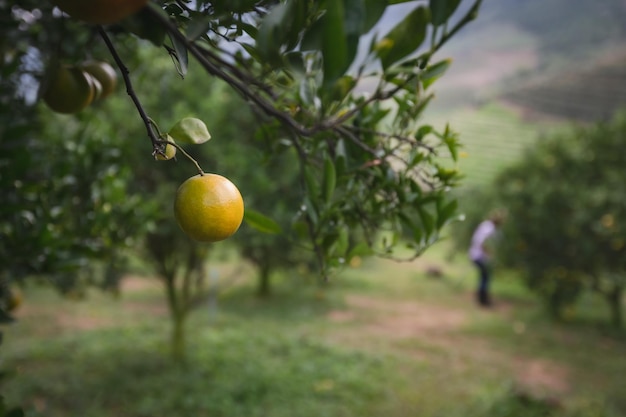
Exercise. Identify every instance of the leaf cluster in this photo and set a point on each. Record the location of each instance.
(342, 93)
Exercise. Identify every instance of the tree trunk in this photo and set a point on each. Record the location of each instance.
(178, 340)
(614, 298)
(263, 289)
(178, 315)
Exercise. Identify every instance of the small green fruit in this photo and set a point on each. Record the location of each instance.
(68, 90)
(170, 151)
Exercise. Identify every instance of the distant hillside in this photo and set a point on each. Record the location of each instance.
(591, 94)
(515, 43)
(565, 59)
(564, 27)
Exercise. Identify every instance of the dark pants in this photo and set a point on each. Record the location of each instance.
(484, 275)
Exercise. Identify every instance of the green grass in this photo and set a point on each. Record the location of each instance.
(384, 339)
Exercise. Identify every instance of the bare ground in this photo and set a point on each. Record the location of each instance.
(435, 333)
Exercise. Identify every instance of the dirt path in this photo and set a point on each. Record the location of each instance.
(434, 333)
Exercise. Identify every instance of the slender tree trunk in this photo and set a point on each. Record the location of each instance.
(263, 289)
(177, 316)
(614, 298)
(178, 341)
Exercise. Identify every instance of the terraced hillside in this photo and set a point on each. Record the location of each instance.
(588, 95)
(493, 136)
(525, 68)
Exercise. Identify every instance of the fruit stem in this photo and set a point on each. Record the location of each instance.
(184, 152)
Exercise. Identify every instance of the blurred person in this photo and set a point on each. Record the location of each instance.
(480, 252)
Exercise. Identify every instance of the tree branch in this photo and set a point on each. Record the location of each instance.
(129, 88)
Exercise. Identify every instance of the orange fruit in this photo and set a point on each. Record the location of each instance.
(68, 90)
(208, 207)
(95, 85)
(104, 73)
(100, 12)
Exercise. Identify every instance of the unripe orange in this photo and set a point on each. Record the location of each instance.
(170, 151)
(68, 90)
(208, 208)
(104, 73)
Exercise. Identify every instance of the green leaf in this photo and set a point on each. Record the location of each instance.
(428, 221)
(433, 72)
(190, 130)
(330, 179)
(405, 38)
(445, 212)
(418, 235)
(312, 39)
(179, 56)
(374, 9)
(452, 142)
(422, 132)
(272, 31)
(251, 50)
(334, 42)
(144, 25)
(261, 222)
(342, 242)
(198, 26)
(249, 29)
(298, 18)
(311, 183)
(441, 10)
(311, 211)
(361, 249)
(342, 88)
(281, 28)
(354, 16)
(336, 34)
(406, 220)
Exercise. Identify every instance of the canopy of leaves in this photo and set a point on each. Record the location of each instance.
(567, 203)
(330, 86)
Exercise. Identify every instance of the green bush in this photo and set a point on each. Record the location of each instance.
(566, 200)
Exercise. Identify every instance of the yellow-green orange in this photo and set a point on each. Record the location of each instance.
(104, 73)
(170, 151)
(68, 90)
(208, 207)
(100, 12)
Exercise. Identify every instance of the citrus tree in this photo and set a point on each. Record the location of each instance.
(567, 200)
(270, 182)
(345, 94)
(67, 212)
(270, 191)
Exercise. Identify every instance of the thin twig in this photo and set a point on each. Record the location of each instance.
(158, 144)
(184, 152)
(233, 81)
(129, 86)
